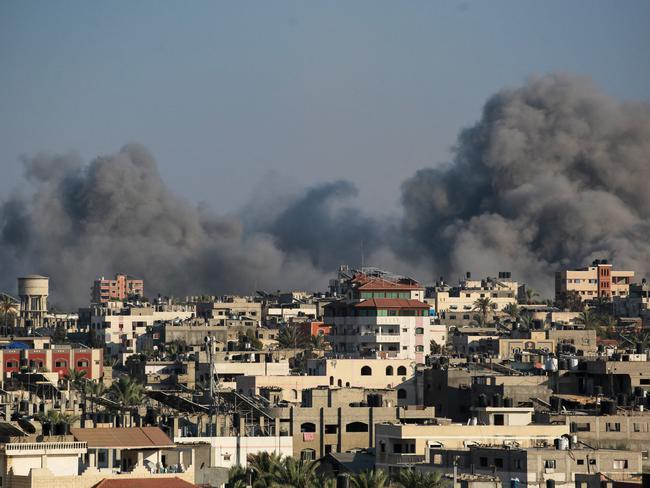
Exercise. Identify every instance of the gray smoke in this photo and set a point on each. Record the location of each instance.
(554, 174)
(116, 214)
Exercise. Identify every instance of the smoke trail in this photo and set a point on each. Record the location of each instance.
(555, 173)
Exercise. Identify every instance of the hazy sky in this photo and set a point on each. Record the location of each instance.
(231, 95)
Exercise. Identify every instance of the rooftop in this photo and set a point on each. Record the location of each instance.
(124, 437)
(392, 303)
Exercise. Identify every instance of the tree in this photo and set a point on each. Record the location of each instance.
(291, 337)
(588, 318)
(8, 310)
(317, 342)
(76, 378)
(370, 479)
(410, 478)
(512, 310)
(237, 476)
(265, 467)
(531, 295)
(127, 392)
(58, 421)
(295, 473)
(94, 390)
(570, 300)
(478, 321)
(484, 306)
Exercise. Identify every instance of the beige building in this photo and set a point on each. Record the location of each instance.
(535, 466)
(342, 419)
(598, 280)
(230, 306)
(90, 456)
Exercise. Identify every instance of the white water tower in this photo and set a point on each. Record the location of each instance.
(33, 291)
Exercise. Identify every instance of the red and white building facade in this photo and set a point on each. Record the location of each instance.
(56, 360)
(383, 319)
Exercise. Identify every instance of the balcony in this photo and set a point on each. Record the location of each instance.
(401, 459)
(43, 448)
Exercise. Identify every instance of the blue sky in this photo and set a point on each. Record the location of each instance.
(234, 97)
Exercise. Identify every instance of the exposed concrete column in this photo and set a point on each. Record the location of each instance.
(109, 457)
(92, 458)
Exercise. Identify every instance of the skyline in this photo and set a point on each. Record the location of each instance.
(285, 92)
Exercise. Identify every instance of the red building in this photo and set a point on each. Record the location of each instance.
(54, 360)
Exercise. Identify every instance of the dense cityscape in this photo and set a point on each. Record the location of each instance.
(379, 380)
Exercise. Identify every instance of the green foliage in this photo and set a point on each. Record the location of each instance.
(484, 306)
(127, 392)
(249, 338)
(292, 337)
(410, 478)
(370, 479)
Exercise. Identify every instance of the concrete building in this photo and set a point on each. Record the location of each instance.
(383, 328)
(635, 304)
(535, 466)
(457, 304)
(91, 456)
(33, 291)
(598, 280)
(229, 307)
(119, 328)
(402, 445)
(333, 420)
(118, 289)
(60, 359)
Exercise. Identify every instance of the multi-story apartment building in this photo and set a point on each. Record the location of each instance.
(383, 328)
(118, 289)
(228, 307)
(598, 280)
(382, 318)
(457, 304)
(119, 329)
(59, 359)
(636, 303)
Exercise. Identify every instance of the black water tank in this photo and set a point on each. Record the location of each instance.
(608, 407)
(638, 392)
(482, 400)
(639, 348)
(556, 404)
(598, 390)
(342, 481)
(550, 483)
(496, 400)
(508, 402)
(622, 399)
(563, 364)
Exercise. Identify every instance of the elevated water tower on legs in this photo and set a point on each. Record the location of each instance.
(33, 291)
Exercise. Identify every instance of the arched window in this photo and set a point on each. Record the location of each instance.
(347, 384)
(401, 394)
(419, 330)
(356, 427)
(340, 382)
(83, 363)
(295, 394)
(307, 455)
(331, 380)
(366, 371)
(307, 427)
(389, 371)
(401, 371)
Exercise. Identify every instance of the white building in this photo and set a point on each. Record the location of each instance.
(120, 328)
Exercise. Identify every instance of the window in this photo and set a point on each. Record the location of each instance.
(82, 363)
(483, 462)
(550, 463)
(401, 371)
(437, 459)
(307, 427)
(499, 419)
(613, 427)
(401, 394)
(331, 428)
(580, 462)
(419, 330)
(498, 462)
(356, 427)
(620, 463)
(638, 427)
(307, 455)
(366, 371)
(60, 363)
(389, 371)
(419, 348)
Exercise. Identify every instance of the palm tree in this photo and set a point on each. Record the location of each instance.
(237, 477)
(526, 320)
(370, 479)
(317, 342)
(291, 337)
(54, 418)
(8, 309)
(531, 295)
(484, 306)
(94, 390)
(588, 319)
(478, 321)
(410, 478)
(295, 473)
(265, 467)
(127, 392)
(512, 310)
(76, 377)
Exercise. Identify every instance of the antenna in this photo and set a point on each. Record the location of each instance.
(362, 256)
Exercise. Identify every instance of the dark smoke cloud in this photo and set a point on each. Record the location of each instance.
(554, 174)
(116, 214)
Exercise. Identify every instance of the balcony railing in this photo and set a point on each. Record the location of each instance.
(44, 447)
(405, 459)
